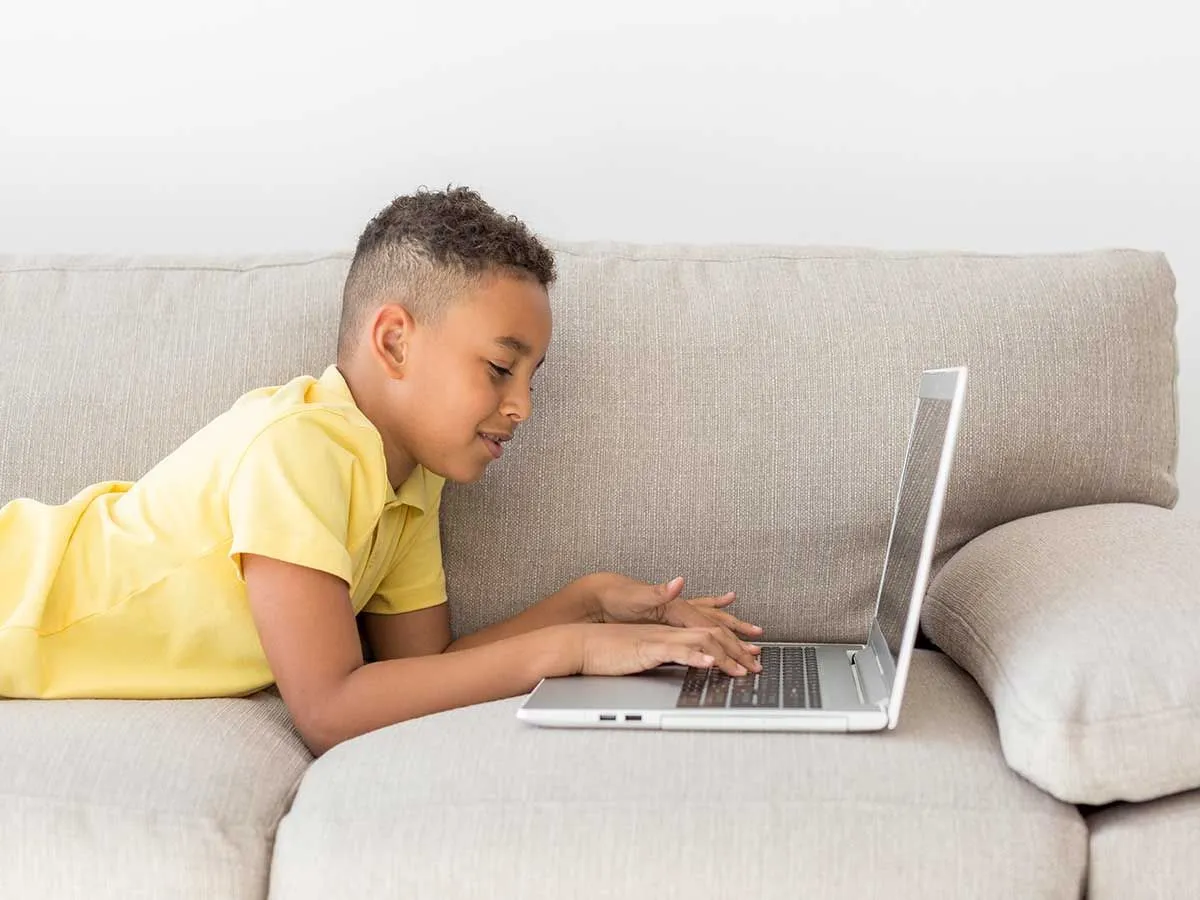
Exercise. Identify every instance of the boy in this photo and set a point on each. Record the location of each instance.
(244, 557)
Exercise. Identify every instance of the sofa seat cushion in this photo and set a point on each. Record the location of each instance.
(1080, 625)
(473, 802)
(1146, 850)
(123, 799)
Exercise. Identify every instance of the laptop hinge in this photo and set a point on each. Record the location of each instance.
(867, 678)
(858, 685)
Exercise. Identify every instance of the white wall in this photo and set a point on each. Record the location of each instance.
(247, 125)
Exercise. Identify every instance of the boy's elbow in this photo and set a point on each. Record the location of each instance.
(321, 724)
(337, 714)
(318, 734)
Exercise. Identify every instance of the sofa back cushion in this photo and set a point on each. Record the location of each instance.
(739, 416)
(109, 363)
(735, 414)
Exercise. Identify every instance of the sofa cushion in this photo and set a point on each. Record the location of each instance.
(1145, 850)
(111, 362)
(474, 803)
(738, 415)
(1080, 625)
(121, 799)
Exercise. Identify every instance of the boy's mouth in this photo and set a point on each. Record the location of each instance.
(492, 442)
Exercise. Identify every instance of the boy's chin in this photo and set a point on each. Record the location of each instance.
(462, 473)
(461, 477)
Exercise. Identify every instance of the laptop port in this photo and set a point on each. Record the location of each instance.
(607, 718)
(633, 718)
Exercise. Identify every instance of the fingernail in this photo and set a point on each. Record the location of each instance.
(741, 670)
(707, 660)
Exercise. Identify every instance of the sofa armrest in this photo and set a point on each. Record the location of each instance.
(1082, 626)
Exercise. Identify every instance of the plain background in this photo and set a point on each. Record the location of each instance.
(253, 125)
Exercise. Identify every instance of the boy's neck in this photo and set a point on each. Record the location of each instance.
(368, 399)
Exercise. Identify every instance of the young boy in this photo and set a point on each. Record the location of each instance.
(244, 557)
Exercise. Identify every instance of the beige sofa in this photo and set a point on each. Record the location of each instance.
(736, 415)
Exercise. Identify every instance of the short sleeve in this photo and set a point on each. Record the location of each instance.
(289, 497)
(417, 580)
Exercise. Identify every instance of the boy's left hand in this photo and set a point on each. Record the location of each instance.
(622, 599)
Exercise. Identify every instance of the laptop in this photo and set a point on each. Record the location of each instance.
(803, 686)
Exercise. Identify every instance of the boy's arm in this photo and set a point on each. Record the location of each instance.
(427, 631)
(307, 627)
(422, 632)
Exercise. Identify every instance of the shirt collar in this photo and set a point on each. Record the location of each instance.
(414, 491)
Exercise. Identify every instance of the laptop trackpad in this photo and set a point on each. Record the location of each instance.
(655, 689)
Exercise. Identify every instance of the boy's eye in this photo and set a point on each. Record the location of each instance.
(500, 371)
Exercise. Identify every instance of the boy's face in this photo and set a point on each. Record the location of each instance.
(463, 385)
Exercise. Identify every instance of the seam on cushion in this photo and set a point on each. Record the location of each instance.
(1065, 808)
(199, 267)
(872, 255)
(1022, 709)
(857, 254)
(245, 825)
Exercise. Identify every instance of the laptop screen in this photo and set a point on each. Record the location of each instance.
(911, 514)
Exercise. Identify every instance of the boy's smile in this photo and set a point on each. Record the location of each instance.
(494, 442)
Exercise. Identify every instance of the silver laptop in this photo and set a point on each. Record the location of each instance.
(803, 686)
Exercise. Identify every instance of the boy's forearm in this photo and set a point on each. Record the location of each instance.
(574, 603)
(384, 693)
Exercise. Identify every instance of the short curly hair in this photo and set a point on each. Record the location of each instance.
(426, 249)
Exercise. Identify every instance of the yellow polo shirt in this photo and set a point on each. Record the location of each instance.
(135, 589)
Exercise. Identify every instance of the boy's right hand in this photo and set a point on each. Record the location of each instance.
(612, 649)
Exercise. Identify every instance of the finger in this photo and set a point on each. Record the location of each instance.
(683, 615)
(682, 654)
(711, 643)
(692, 644)
(707, 618)
(663, 596)
(736, 625)
(714, 621)
(715, 602)
(735, 649)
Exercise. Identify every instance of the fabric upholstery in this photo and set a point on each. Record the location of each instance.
(111, 362)
(473, 803)
(1080, 625)
(739, 415)
(1146, 850)
(733, 414)
(143, 799)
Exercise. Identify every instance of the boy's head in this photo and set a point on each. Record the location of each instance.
(445, 318)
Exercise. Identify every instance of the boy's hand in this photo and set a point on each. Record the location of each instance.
(627, 649)
(626, 600)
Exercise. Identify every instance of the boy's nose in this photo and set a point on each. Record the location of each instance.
(518, 404)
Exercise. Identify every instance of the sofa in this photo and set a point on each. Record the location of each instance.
(733, 414)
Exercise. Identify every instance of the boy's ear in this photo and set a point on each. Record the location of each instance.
(391, 329)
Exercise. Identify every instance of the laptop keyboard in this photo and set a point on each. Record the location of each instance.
(789, 680)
